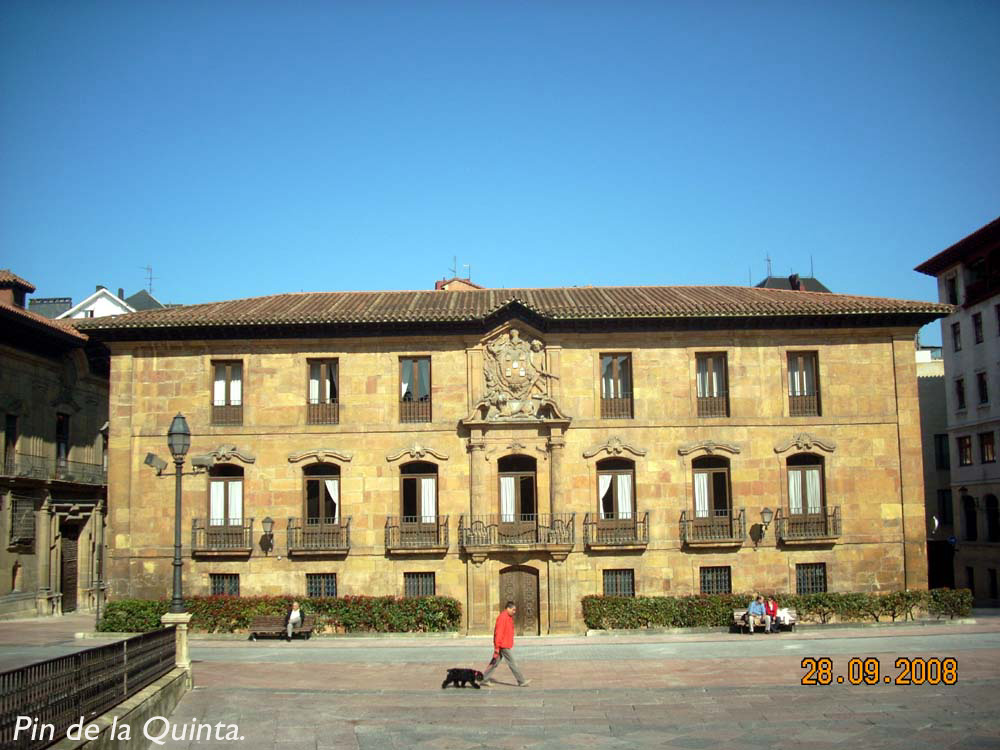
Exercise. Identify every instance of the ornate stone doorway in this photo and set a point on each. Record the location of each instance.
(519, 584)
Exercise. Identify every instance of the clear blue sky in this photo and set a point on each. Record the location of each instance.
(250, 148)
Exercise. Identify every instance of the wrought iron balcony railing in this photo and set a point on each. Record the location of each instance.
(28, 466)
(616, 408)
(718, 527)
(415, 411)
(517, 530)
(319, 535)
(802, 527)
(804, 406)
(415, 533)
(713, 406)
(227, 414)
(218, 535)
(323, 412)
(615, 532)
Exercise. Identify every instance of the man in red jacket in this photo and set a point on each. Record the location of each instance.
(503, 644)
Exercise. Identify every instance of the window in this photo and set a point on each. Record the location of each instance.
(971, 521)
(716, 580)
(225, 584)
(951, 290)
(803, 384)
(987, 450)
(418, 493)
(517, 489)
(22, 520)
(810, 578)
(970, 579)
(418, 584)
(62, 440)
(619, 582)
(616, 386)
(322, 498)
(323, 405)
(711, 487)
(415, 389)
(227, 393)
(992, 573)
(225, 496)
(321, 584)
(965, 450)
(956, 337)
(982, 388)
(9, 443)
(942, 456)
(960, 393)
(992, 518)
(615, 495)
(944, 508)
(977, 327)
(805, 484)
(713, 385)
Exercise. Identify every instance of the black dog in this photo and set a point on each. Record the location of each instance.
(458, 678)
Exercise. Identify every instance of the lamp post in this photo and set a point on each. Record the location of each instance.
(179, 440)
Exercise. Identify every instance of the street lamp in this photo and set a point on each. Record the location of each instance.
(178, 440)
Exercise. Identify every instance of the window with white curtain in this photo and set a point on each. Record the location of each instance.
(418, 492)
(616, 489)
(711, 378)
(227, 392)
(323, 384)
(803, 384)
(616, 386)
(225, 495)
(805, 484)
(415, 389)
(517, 488)
(711, 487)
(322, 493)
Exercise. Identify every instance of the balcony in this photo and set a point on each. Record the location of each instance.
(217, 538)
(25, 466)
(713, 406)
(720, 528)
(323, 413)
(616, 408)
(615, 533)
(227, 414)
(551, 532)
(807, 528)
(803, 406)
(414, 535)
(415, 411)
(319, 536)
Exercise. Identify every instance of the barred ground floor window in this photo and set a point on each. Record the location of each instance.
(321, 584)
(619, 582)
(717, 580)
(225, 584)
(810, 578)
(418, 584)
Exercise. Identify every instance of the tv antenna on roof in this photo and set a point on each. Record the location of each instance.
(149, 277)
(768, 259)
(454, 268)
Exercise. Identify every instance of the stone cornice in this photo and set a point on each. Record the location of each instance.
(804, 441)
(224, 454)
(614, 446)
(321, 455)
(710, 447)
(416, 451)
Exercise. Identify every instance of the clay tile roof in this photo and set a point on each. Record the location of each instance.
(571, 303)
(32, 319)
(7, 278)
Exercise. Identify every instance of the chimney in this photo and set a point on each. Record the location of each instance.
(795, 283)
(121, 293)
(100, 287)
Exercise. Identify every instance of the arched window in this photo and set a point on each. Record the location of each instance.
(615, 489)
(225, 495)
(322, 493)
(518, 500)
(711, 487)
(971, 522)
(805, 484)
(418, 492)
(992, 519)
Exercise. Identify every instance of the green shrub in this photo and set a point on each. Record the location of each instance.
(351, 614)
(951, 602)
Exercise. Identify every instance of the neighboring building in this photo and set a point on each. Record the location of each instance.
(50, 307)
(99, 304)
(53, 478)
(538, 445)
(793, 283)
(968, 275)
(142, 300)
(937, 464)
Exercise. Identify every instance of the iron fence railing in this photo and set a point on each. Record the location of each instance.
(615, 531)
(415, 411)
(713, 406)
(219, 535)
(823, 524)
(616, 408)
(717, 526)
(27, 466)
(499, 530)
(319, 534)
(59, 691)
(227, 414)
(415, 532)
(323, 412)
(804, 406)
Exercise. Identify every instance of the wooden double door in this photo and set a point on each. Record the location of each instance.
(519, 584)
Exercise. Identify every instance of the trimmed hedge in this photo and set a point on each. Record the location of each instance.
(716, 610)
(349, 614)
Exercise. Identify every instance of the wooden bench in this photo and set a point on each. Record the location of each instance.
(741, 625)
(274, 625)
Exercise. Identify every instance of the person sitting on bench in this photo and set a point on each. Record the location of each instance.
(293, 620)
(756, 615)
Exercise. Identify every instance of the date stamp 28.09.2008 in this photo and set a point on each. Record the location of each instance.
(917, 670)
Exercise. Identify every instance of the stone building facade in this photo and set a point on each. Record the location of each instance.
(536, 445)
(53, 477)
(968, 275)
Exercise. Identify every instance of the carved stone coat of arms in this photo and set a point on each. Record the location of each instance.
(517, 385)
